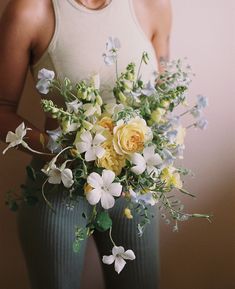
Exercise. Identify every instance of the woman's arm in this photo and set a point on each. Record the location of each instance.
(162, 21)
(18, 33)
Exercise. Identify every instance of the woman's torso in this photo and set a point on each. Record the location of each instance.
(78, 42)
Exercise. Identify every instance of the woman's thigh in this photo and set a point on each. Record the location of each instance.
(47, 242)
(143, 272)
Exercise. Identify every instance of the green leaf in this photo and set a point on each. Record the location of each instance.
(31, 173)
(103, 221)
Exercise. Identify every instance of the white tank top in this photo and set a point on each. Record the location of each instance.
(79, 39)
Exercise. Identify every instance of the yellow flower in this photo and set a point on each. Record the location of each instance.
(130, 138)
(111, 160)
(127, 213)
(171, 177)
(106, 122)
(158, 114)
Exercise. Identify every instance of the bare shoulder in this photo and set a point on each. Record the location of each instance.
(26, 13)
(156, 12)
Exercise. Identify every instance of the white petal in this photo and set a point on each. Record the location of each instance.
(86, 137)
(82, 147)
(46, 74)
(11, 137)
(155, 160)
(54, 176)
(129, 255)
(93, 196)
(119, 264)
(108, 259)
(117, 250)
(107, 200)
(67, 178)
(108, 177)
(138, 159)
(138, 170)
(90, 155)
(43, 86)
(98, 139)
(20, 130)
(115, 189)
(99, 152)
(7, 148)
(149, 152)
(95, 180)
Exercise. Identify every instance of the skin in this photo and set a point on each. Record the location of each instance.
(26, 29)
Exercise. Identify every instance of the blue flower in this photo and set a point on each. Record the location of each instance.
(202, 123)
(202, 101)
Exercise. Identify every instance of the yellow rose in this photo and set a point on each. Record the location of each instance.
(106, 122)
(111, 160)
(130, 138)
(171, 178)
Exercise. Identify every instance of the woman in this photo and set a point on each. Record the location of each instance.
(68, 36)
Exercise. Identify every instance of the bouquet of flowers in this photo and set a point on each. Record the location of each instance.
(126, 149)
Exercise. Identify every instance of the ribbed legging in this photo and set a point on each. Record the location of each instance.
(47, 237)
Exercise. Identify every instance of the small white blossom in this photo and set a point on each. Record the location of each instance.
(73, 106)
(103, 189)
(118, 257)
(112, 46)
(45, 77)
(92, 146)
(16, 138)
(56, 175)
(148, 161)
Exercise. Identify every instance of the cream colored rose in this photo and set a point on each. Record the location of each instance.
(130, 138)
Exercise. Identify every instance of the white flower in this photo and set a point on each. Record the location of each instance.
(16, 138)
(118, 257)
(45, 77)
(92, 146)
(112, 46)
(59, 174)
(148, 161)
(104, 189)
(73, 106)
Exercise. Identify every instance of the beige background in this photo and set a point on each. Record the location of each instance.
(201, 255)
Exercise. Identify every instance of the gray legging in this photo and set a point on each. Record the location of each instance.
(47, 237)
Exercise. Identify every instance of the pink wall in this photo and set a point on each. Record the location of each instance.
(201, 255)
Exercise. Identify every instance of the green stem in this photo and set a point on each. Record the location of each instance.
(44, 196)
(110, 236)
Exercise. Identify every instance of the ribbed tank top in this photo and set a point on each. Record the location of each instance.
(78, 43)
